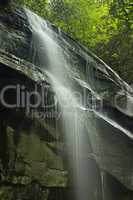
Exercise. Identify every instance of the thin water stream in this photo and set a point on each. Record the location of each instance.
(53, 61)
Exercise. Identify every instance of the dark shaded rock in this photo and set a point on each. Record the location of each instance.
(15, 34)
(31, 153)
(31, 192)
(4, 2)
(26, 153)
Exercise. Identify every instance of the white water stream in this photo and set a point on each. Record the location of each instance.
(57, 67)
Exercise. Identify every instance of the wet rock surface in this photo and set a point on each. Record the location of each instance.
(30, 163)
(15, 33)
(32, 155)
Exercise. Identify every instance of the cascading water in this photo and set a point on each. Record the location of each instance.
(54, 61)
(56, 66)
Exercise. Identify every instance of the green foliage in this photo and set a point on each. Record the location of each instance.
(118, 51)
(38, 6)
(105, 26)
(84, 20)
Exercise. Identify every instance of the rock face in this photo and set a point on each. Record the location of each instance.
(30, 163)
(4, 2)
(31, 153)
(33, 161)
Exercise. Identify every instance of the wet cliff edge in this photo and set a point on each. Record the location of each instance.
(32, 153)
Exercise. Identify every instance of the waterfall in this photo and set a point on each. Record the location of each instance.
(56, 66)
(55, 61)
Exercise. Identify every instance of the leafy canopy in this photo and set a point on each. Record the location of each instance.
(105, 26)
